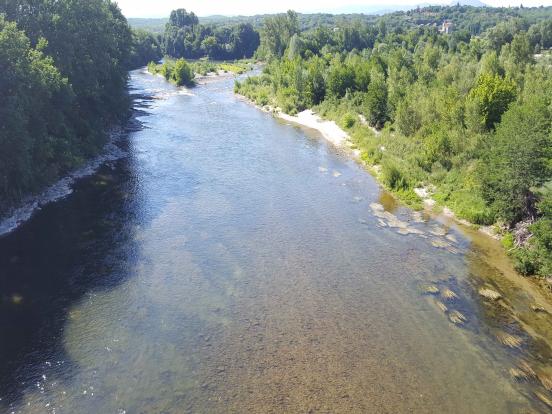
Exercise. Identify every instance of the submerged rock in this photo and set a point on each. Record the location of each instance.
(448, 294)
(518, 374)
(527, 370)
(546, 400)
(546, 381)
(452, 238)
(376, 207)
(438, 231)
(538, 308)
(441, 306)
(511, 341)
(457, 318)
(417, 217)
(440, 244)
(432, 290)
(489, 294)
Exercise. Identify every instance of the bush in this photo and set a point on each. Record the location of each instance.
(468, 205)
(348, 120)
(182, 73)
(525, 262)
(393, 177)
(508, 241)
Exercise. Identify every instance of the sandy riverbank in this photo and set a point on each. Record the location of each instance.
(328, 129)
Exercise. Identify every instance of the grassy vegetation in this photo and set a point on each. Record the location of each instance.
(182, 72)
(177, 71)
(205, 66)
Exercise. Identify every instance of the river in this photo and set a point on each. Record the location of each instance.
(230, 263)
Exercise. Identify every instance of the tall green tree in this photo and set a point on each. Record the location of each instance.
(517, 160)
(35, 138)
(278, 31)
(493, 94)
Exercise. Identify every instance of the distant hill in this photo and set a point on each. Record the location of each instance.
(307, 21)
(153, 25)
(472, 15)
(474, 3)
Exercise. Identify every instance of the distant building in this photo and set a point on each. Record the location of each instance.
(446, 27)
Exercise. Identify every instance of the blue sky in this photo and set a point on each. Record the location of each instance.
(161, 8)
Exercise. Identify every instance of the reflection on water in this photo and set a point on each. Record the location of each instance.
(389, 202)
(230, 264)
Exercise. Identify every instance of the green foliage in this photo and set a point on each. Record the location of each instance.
(407, 119)
(182, 73)
(185, 37)
(536, 256)
(508, 241)
(393, 177)
(145, 48)
(279, 30)
(375, 101)
(341, 79)
(64, 72)
(348, 120)
(177, 71)
(517, 160)
(493, 95)
(315, 86)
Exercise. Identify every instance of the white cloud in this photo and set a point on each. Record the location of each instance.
(162, 8)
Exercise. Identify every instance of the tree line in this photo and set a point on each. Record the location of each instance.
(469, 116)
(63, 66)
(186, 38)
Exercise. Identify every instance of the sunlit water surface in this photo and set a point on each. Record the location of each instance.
(232, 263)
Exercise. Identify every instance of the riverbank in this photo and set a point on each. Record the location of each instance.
(22, 211)
(213, 77)
(337, 136)
(329, 130)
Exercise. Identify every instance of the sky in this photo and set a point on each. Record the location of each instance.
(162, 8)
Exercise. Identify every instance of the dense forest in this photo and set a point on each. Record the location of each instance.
(466, 115)
(64, 68)
(185, 37)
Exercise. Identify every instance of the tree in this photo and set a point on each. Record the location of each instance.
(210, 47)
(186, 38)
(493, 94)
(278, 31)
(315, 89)
(375, 102)
(181, 18)
(34, 130)
(517, 160)
(341, 78)
(64, 76)
(296, 47)
(245, 40)
(182, 73)
(145, 48)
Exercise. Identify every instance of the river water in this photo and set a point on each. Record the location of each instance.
(230, 263)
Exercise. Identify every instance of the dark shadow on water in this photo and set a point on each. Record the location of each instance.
(80, 244)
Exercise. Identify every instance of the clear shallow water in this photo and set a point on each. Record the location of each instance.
(231, 263)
